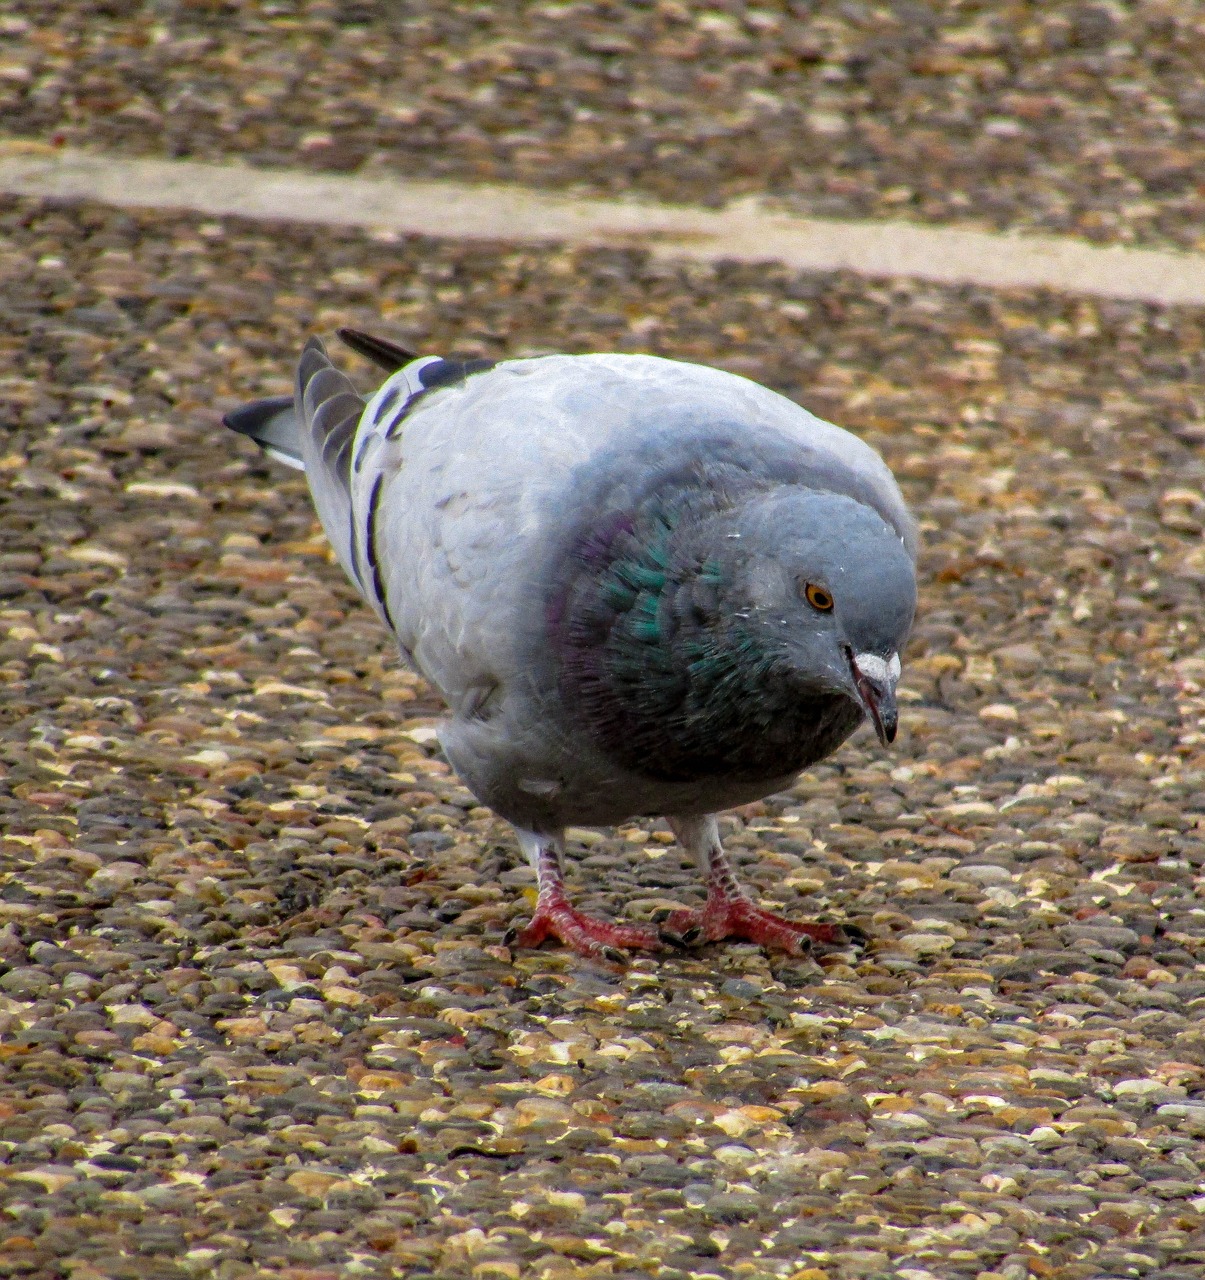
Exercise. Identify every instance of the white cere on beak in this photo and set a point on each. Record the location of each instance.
(874, 668)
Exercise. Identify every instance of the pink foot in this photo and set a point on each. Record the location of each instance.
(737, 917)
(597, 939)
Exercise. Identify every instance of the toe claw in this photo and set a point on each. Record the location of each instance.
(511, 934)
(614, 955)
(687, 938)
(661, 915)
(854, 935)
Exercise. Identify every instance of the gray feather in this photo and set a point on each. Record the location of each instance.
(329, 410)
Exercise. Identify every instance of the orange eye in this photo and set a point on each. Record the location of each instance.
(818, 597)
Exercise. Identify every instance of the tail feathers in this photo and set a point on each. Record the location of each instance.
(273, 425)
(330, 413)
(330, 409)
(381, 351)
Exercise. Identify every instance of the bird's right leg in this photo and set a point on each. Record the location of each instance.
(555, 918)
(729, 911)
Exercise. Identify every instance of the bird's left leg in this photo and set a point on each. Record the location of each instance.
(556, 918)
(729, 911)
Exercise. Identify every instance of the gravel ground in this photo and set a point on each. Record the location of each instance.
(1086, 118)
(257, 1016)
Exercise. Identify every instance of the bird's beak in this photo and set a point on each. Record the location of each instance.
(875, 681)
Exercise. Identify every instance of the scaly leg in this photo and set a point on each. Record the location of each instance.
(729, 912)
(554, 917)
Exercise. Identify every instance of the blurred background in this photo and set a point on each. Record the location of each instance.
(1085, 118)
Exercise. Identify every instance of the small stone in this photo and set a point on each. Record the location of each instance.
(312, 1182)
(981, 873)
(1023, 658)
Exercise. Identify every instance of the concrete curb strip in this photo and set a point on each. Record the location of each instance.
(746, 233)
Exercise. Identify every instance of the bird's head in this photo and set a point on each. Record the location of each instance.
(827, 590)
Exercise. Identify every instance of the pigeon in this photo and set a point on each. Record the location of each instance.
(642, 587)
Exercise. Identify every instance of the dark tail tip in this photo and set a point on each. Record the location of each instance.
(272, 424)
(252, 419)
(388, 355)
